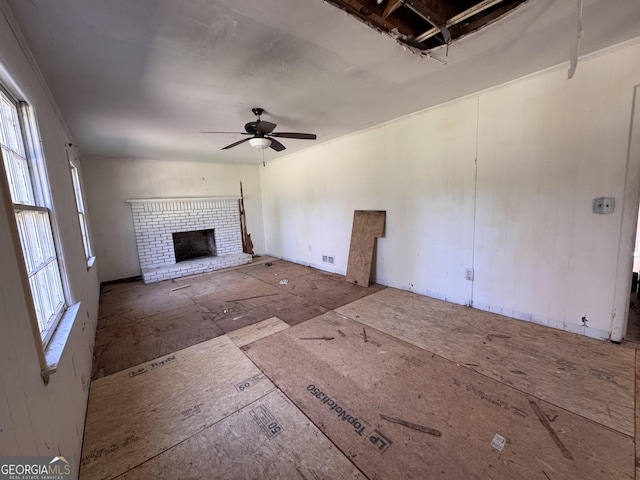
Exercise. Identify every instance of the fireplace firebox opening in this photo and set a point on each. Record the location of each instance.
(194, 244)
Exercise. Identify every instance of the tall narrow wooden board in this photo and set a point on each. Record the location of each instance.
(400, 412)
(588, 377)
(268, 439)
(138, 413)
(367, 226)
(259, 330)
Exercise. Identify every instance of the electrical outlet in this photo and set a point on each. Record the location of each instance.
(604, 205)
(469, 274)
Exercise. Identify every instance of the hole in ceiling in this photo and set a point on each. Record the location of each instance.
(427, 24)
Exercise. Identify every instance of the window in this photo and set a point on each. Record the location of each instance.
(75, 178)
(26, 180)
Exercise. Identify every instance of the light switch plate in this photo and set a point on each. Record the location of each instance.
(468, 274)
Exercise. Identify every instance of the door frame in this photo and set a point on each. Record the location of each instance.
(628, 226)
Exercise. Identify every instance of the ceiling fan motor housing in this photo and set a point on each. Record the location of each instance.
(252, 127)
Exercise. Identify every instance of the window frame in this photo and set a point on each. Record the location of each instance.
(27, 130)
(78, 191)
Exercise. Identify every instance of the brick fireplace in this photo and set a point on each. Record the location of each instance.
(207, 231)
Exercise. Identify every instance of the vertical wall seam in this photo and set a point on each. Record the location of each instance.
(475, 201)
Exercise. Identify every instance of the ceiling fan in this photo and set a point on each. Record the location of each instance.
(262, 134)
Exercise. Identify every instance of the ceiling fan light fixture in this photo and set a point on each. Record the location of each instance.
(260, 142)
(261, 132)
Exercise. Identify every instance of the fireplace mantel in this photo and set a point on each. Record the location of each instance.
(177, 199)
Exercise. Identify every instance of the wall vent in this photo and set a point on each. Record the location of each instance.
(327, 259)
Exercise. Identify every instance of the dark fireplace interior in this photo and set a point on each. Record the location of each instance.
(189, 245)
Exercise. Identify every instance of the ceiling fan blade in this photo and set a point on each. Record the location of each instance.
(276, 145)
(300, 136)
(236, 143)
(265, 127)
(231, 133)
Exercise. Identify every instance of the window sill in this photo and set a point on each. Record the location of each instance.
(58, 342)
(90, 262)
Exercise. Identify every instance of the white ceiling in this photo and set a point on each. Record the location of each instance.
(141, 79)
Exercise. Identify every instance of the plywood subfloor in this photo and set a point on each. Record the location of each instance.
(315, 287)
(128, 340)
(140, 322)
(591, 378)
(392, 371)
(268, 439)
(398, 411)
(136, 414)
(259, 330)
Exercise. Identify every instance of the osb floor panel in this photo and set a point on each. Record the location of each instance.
(259, 330)
(268, 439)
(588, 377)
(407, 387)
(399, 411)
(129, 341)
(141, 322)
(315, 287)
(136, 414)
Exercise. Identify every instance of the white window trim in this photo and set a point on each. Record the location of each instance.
(48, 357)
(81, 207)
(49, 353)
(55, 347)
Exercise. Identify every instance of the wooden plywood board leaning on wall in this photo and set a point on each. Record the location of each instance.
(367, 226)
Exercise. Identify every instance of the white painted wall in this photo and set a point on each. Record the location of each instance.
(425, 183)
(545, 147)
(110, 182)
(36, 419)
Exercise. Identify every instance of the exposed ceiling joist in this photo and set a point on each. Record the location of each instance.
(434, 16)
(391, 6)
(417, 23)
(470, 12)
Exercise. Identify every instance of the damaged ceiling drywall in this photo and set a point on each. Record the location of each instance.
(142, 79)
(427, 24)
